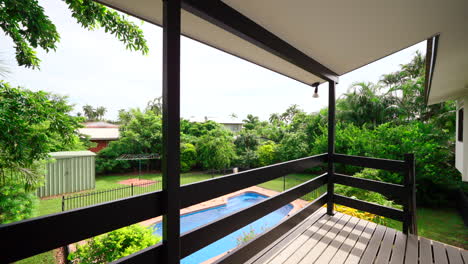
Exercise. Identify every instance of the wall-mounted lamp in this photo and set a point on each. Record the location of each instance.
(315, 85)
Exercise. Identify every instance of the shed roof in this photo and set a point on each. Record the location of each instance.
(72, 154)
(340, 35)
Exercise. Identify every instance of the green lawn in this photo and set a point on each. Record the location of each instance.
(44, 258)
(54, 205)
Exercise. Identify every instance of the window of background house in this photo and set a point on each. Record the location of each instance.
(460, 125)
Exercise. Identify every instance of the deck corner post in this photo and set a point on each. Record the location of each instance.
(171, 131)
(331, 146)
(410, 224)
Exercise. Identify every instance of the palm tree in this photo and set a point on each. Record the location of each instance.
(89, 112)
(100, 112)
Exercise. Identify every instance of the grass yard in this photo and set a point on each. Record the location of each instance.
(44, 258)
(54, 205)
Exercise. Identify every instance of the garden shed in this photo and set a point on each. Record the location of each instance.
(69, 171)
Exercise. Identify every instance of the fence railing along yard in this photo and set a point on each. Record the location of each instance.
(80, 200)
(95, 197)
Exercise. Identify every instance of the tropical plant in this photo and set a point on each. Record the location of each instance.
(26, 23)
(114, 245)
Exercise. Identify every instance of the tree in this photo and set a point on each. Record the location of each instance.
(94, 114)
(26, 23)
(100, 112)
(251, 122)
(32, 123)
(140, 134)
(293, 146)
(188, 156)
(267, 153)
(216, 150)
(155, 105)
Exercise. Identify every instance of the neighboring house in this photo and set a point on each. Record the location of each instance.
(232, 124)
(447, 79)
(100, 133)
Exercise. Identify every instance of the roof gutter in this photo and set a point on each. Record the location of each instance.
(431, 56)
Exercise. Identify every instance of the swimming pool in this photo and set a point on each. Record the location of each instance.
(196, 219)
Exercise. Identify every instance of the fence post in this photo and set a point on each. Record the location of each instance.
(63, 203)
(132, 189)
(410, 224)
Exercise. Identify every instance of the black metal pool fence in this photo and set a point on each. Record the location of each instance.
(80, 200)
(95, 197)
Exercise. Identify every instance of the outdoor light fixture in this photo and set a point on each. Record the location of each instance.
(316, 84)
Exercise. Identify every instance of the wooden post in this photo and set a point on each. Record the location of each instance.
(171, 131)
(410, 224)
(331, 146)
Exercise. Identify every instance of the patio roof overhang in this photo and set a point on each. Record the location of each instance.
(312, 41)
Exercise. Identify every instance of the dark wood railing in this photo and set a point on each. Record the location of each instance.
(29, 237)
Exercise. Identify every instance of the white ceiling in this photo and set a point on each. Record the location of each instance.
(343, 35)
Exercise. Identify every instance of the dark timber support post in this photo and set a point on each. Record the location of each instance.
(171, 131)
(410, 225)
(331, 145)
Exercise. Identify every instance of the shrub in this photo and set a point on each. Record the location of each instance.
(267, 153)
(188, 157)
(114, 245)
(16, 203)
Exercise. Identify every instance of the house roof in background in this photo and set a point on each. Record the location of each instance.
(99, 124)
(341, 35)
(101, 133)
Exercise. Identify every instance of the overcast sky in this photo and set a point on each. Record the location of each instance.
(93, 67)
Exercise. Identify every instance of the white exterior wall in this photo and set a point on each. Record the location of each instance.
(461, 148)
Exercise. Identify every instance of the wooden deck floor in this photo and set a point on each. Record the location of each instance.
(344, 239)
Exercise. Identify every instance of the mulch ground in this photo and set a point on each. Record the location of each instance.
(135, 181)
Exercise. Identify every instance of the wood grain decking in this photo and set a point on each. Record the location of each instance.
(344, 239)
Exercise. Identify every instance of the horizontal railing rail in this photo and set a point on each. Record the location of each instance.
(374, 163)
(198, 192)
(393, 191)
(33, 236)
(373, 208)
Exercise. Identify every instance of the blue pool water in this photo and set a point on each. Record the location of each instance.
(196, 219)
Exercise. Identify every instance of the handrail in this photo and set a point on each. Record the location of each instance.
(198, 192)
(33, 236)
(375, 163)
(394, 191)
(373, 208)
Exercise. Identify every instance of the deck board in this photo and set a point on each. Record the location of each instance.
(398, 253)
(425, 251)
(349, 243)
(315, 253)
(342, 239)
(361, 245)
(383, 257)
(297, 255)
